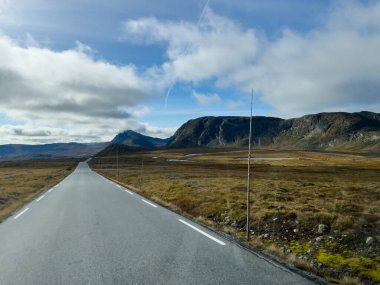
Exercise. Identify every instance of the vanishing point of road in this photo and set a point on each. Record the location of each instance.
(88, 230)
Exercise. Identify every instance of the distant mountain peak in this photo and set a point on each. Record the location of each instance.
(135, 139)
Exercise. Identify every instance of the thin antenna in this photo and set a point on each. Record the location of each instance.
(167, 94)
(198, 23)
(249, 170)
(203, 12)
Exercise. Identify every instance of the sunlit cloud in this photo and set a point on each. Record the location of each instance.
(334, 67)
(206, 99)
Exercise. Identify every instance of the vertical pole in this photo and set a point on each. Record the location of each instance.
(249, 170)
(141, 171)
(117, 163)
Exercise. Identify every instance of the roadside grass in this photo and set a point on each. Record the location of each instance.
(289, 199)
(21, 181)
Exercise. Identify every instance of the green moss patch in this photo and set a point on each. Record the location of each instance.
(299, 248)
(363, 267)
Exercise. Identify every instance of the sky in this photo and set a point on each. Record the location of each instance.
(84, 70)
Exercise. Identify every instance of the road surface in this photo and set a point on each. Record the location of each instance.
(88, 230)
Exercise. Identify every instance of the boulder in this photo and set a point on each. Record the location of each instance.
(322, 228)
(318, 239)
(369, 240)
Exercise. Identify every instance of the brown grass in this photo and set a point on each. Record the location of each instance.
(21, 181)
(289, 197)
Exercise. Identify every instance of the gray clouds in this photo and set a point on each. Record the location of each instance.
(32, 133)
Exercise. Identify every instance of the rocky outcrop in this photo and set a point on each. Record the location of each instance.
(324, 131)
(135, 139)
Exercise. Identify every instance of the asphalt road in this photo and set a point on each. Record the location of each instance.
(88, 230)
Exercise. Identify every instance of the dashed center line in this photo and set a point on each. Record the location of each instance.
(21, 213)
(202, 232)
(149, 203)
(39, 199)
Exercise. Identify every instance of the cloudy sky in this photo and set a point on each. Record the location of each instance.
(83, 70)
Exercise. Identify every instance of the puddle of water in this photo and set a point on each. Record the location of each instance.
(192, 154)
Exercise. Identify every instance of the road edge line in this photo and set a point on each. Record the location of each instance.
(202, 232)
(19, 215)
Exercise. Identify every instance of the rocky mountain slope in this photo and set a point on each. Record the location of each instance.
(134, 139)
(324, 131)
(129, 141)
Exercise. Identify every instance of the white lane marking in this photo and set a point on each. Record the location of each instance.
(129, 192)
(39, 199)
(21, 213)
(118, 186)
(202, 232)
(50, 190)
(149, 203)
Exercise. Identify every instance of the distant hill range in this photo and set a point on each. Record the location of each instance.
(351, 132)
(55, 150)
(340, 132)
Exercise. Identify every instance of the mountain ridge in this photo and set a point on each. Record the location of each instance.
(53, 150)
(135, 139)
(335, 131)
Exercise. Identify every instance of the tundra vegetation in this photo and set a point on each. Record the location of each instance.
(21, 181)
(319, 211)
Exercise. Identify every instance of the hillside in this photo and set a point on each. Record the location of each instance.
(129, 141)
(134, 139)
(356, 132)
(55, 150)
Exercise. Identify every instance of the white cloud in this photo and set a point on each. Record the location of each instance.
(29, 133)
(206, 99)
(73, 95)
(214, 48)
(235, 104)
(335, 67)
(70, 89)
(5, 18)
(3, 5)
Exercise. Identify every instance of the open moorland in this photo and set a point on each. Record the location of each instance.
(319, 211)
(21, 181)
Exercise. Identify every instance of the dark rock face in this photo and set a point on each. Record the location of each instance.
(324, 131)
(134, 139)
(224, 131)
(131, 141)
